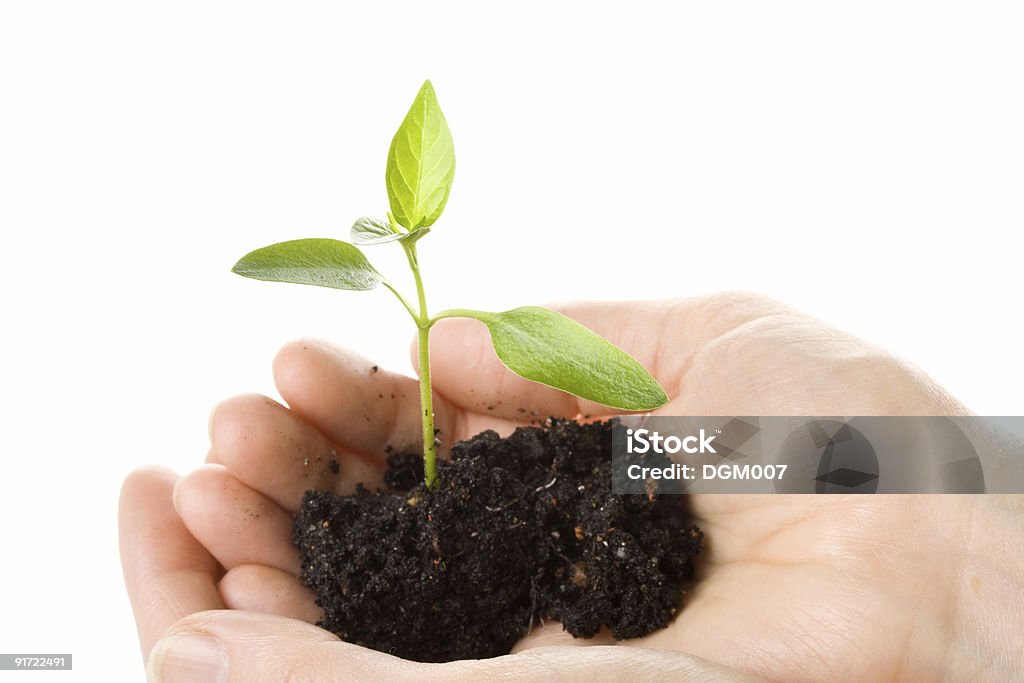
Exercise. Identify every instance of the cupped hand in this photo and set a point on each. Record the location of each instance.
(790, 587)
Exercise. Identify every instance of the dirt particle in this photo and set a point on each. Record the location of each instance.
(650, 487)
(579, 575)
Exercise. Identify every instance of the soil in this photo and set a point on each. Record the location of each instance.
(518, 530)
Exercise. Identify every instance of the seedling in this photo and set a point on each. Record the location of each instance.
(536, 343)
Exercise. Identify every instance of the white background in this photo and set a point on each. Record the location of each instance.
(860, 161)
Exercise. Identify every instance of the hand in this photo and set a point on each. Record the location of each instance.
(792, 587)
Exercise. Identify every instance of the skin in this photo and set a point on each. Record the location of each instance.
(792, 588)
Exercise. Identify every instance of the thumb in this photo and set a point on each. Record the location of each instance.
(230, 646)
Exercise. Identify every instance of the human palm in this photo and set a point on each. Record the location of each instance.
(790, 587)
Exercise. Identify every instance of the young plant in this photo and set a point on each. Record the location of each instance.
(536, 343)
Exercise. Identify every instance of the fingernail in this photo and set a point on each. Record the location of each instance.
(188, 658)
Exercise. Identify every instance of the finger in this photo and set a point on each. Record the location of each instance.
(168, 573)
(352, 401)
(246, 646)
(663, 336)
(273, 451)
(466, 370)
(237, 524)
(265, 589)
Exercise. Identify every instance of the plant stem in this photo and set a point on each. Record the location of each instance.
(423, 323)
(461, 313)
(403, 301)
(426, 405)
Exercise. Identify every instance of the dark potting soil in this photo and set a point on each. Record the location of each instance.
(518, 530)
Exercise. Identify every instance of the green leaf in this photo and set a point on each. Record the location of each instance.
(547, 347)
(421, 163)
(369, 230)
(320, 262)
